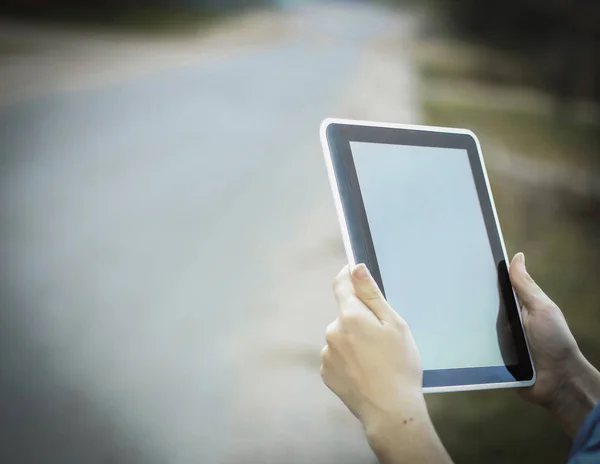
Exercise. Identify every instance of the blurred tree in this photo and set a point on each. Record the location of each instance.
(111, 10)
(559, 38)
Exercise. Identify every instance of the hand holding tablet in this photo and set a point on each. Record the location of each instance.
(415, 206)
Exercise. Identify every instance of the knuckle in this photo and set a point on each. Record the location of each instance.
(371, 294)
(551, 307)
(335, 283)
(401, 324)
(324, 376)
(331, 333)
(352, 318)
(338, 285)
(340, 279)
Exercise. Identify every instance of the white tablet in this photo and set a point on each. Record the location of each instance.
(414, 204)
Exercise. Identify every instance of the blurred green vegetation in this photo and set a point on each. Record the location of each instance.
(146, 19)
(139, 16)
(531, 134)
(558, 231)
(557, 42)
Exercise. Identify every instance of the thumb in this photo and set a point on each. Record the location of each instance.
(368, 292)
(529, 293)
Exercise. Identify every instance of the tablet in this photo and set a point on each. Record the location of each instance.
(415, 205)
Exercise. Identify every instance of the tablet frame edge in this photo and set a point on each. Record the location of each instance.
(350, 254)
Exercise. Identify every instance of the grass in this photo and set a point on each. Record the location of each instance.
(539, 136)
(560, 236)
(487, 92)
(472, 63)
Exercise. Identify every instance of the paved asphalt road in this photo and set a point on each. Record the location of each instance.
(153, 231)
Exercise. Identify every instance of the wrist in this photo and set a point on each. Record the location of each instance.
(576, 395)
(410, 408)
(407, 431)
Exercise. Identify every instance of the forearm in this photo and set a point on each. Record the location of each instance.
(406, 436)
(576, 396)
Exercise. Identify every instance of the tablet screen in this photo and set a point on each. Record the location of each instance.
(433, 251)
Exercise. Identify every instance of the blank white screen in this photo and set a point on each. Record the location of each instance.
(433, 251)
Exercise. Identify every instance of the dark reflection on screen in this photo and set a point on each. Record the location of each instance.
(504, 327)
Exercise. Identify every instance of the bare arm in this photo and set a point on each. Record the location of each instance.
(371, 362)
(576, 396)
(567, 385)
(407, 436)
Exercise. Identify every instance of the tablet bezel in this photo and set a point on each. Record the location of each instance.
(336, 135)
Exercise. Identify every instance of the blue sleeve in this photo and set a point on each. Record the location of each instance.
(586, 449)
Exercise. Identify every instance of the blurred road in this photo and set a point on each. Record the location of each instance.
(168, 237)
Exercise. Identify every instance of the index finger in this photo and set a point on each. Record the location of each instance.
(345, 295)
(342, 287)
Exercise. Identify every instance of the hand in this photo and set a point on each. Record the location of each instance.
(567, 384)
(370, 361)
(552, 345)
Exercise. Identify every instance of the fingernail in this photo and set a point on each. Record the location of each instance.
(361, 272)
(521, 258)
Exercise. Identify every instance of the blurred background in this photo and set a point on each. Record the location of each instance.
(168, 237)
